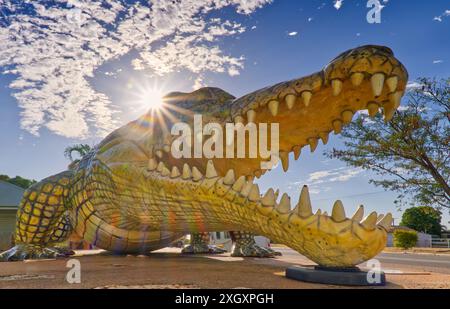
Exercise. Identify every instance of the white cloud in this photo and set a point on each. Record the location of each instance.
(442, 16)
(320, 181)
(413, 85)
(438, 61)
(54, 48)
(293, 33)
(338, 4)
(198, 83)
(341, 174)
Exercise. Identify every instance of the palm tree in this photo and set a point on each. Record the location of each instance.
(81, 149)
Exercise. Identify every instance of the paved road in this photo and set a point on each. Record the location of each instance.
(424, 261)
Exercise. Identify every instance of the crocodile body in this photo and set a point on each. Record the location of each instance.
(130, 195)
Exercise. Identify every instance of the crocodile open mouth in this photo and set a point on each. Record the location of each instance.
(199, 194)
(307, 111)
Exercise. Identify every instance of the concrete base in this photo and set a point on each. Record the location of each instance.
(336, 276)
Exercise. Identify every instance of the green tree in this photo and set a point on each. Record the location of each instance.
(411, 152)
(405, 239)
(80, 149)
(18, 181)
(423, 219)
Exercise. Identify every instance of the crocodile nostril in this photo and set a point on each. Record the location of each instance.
(386, 50)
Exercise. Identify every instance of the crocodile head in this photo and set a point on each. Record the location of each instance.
(307, 110)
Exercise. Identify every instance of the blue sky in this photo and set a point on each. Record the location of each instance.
(78, 94)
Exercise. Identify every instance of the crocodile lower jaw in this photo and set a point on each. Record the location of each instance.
(329, 240)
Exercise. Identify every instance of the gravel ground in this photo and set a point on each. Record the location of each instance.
(169, 269)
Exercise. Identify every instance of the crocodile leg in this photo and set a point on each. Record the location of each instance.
(42, 221)
(244, 245)
(200, 244)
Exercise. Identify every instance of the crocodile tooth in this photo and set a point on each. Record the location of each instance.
(269, 198)
(357, 78)
(186, 172)
(254, 193)
(306, 97)
(359, 214)
(159, 153)
(336, 84)
(165, 171)
(313, 142)
(258, 174)
(370, 221)
(373, 108)
(303, 208)
(324, 137)
(196, 175)
(277, 193)
(229, 178)
(251, 114)
(338, 213)
(238, 119)
(152, 164)
(175, 172)
(318, 212)
(386, 222)
(380, 216)
(395, 98)
(273, 107)
(285, 204)
(325, 213)
(347, 116)
(284, 156)
(290, 100)
(377, 81)
(392, 83)
(297, 151)
(337, 126)
(237, 186)
(166, 148)
(160, 167)
(247, 188)
(389, 112)
(210, 170)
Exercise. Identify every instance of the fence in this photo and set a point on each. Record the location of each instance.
(5, 240)
(440, 243)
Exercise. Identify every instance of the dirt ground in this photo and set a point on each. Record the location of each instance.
(167, 268)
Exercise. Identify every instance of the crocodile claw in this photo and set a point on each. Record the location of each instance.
(253, 250)
(202, 249)
(23, 252)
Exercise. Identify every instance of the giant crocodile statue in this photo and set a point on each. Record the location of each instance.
(130, 195)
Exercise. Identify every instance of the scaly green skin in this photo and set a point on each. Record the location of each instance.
(130, 195)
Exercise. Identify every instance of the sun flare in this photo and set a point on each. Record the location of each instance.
(152, 98)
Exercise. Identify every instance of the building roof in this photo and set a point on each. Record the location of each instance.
(394, 228)
(10, 195)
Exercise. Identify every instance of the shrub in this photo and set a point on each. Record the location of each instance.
(405, 239)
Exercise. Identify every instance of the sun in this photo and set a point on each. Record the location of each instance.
(152, 98)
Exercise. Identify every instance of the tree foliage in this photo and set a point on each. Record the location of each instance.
(18, 181)
(410, 154)
(405, 239)
(423, 219)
